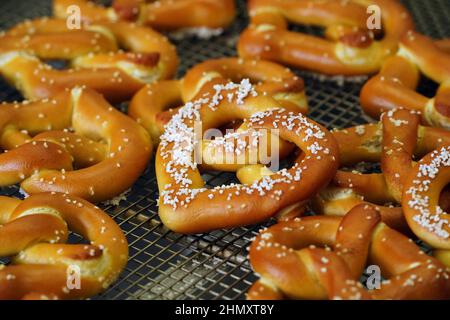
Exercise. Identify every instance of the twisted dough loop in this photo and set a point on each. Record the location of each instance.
(34, 232)
(395, 85)
(350, 49)
(290, 264)
(94, 56)
(162, 15)
(109, 150)
(423, 213)
(153, 105)
(182, 193)
(393, 142)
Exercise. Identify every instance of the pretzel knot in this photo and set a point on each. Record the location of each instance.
(398, 79)
(185, 205)
(74, 143)
(34, 233)
(153, 105)
(162, 15)
(323, 257)
(394, 142)
(94, 53)
(349, 48)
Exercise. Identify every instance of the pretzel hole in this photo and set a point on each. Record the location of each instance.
(363, 167)
(444, 199)
(5, 261)
(58, 64)
(312, 30)
(231, 125)
(427, 87)
(172, 106)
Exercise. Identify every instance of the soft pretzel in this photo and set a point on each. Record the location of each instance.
(323, 257)
(34, 233)
(94, 55)
(74, 143)
(153, 105)
(349, 48)
(395, 85)
(394, 142)
(186, 206)
(423, 187)
(162, 14)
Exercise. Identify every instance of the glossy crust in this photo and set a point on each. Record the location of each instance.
(155, 104)
(423, 187)
(34, 232)
(323, 257)
(349, 48)
(94, 54)
(395, 85)
(85, 146)
(162, 15)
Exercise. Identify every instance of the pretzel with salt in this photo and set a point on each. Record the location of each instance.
(153, 105)
(34, 233)
(186, 206)
(322, 257)
(75, 143)
(423, 187)
(94, 56)
(349, 48)
(394, 142)
(395, 85)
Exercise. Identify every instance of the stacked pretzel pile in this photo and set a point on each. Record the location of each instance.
(67, 145)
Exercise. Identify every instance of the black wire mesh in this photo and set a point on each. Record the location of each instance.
(166, 265)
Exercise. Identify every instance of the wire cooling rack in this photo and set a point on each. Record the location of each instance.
(167, 265)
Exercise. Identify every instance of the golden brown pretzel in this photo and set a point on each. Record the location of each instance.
(395, 85)
(423, 187)
(94, 55)
(34, 233)
(108, 149)
(323, 257)
(149, 104)
(393, 142)
(350, 49)
(185, 205)
(162, 15)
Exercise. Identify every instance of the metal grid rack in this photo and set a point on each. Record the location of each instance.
(166, 265)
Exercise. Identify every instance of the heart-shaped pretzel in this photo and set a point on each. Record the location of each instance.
(185, 205)
(45, 139)
(153, 105)
(162, 14)
(349, 48)
(290, 264)
(94, 55)
(394, 142)
(34, 233)
(395, 85)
